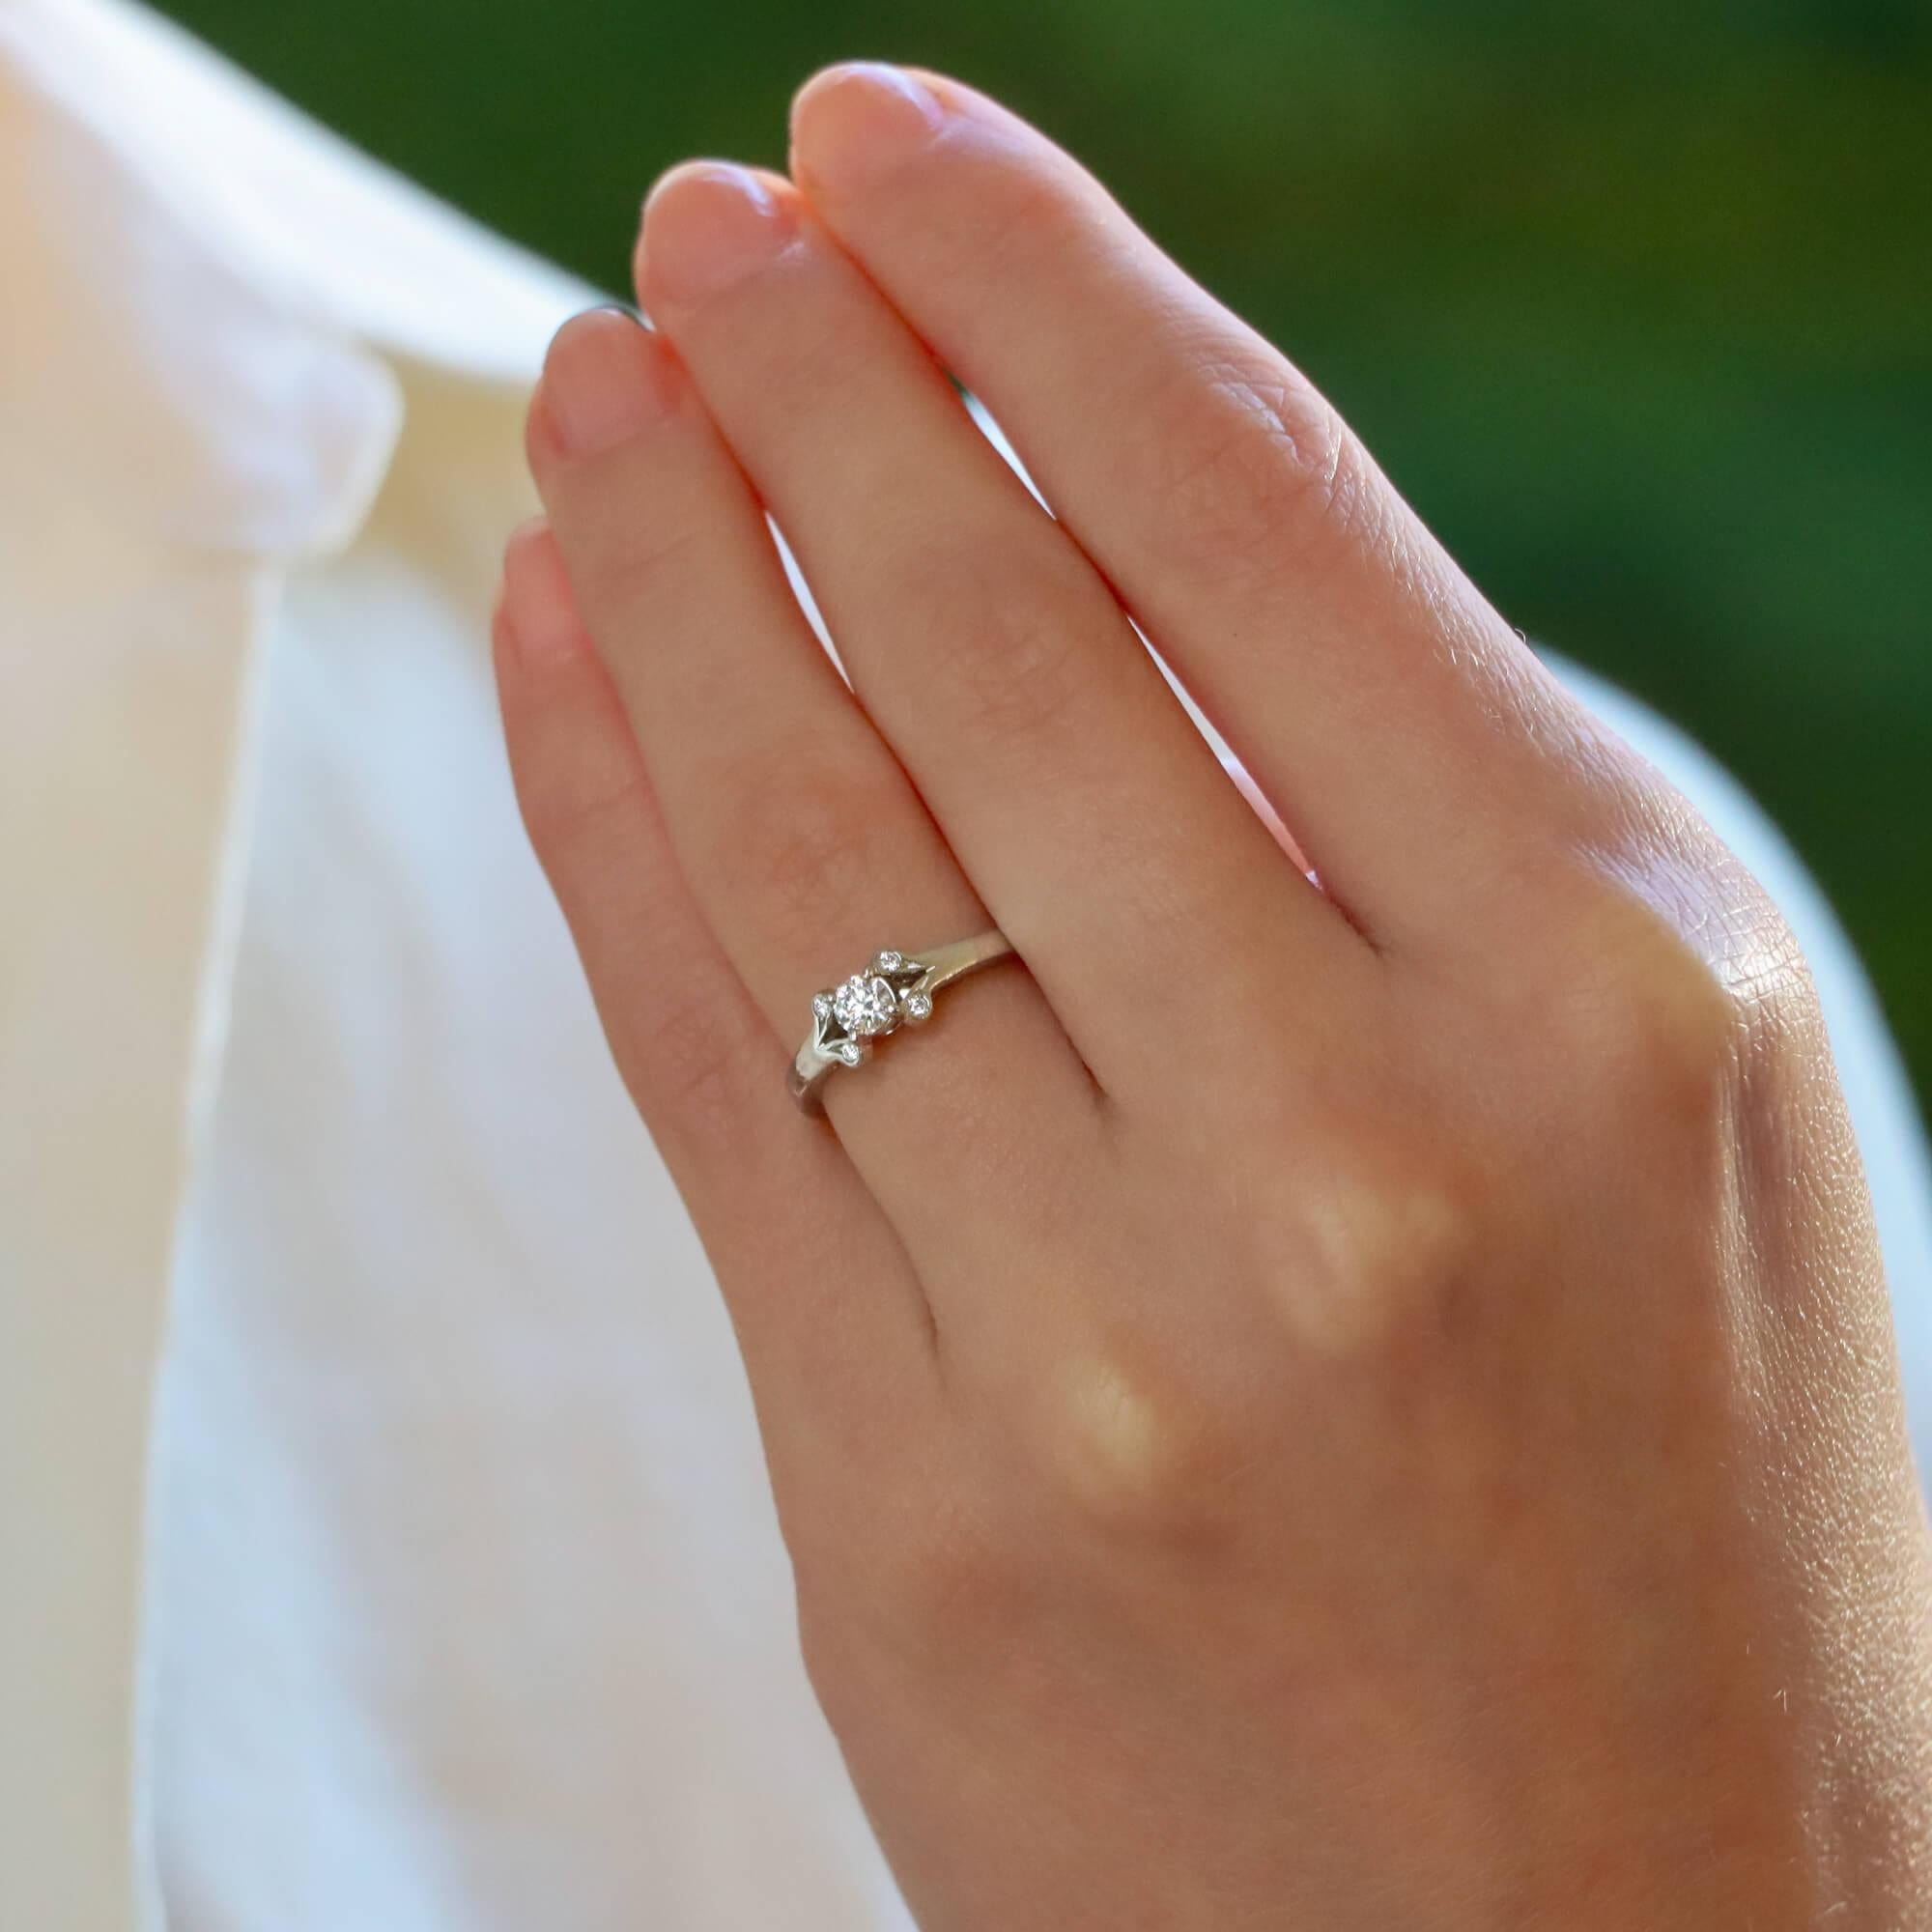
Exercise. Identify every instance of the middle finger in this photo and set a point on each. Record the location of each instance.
(1089, 813)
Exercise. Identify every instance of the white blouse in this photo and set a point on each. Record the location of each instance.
(383, 1541)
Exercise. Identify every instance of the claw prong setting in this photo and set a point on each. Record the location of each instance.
(894, 990)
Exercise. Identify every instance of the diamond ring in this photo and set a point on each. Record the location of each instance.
(895, 990)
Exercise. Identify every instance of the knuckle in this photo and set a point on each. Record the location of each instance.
(632, 568)
(1379, 1243)
(1666, 1024)
(948, 1580)
(1749, 948)
(1008, 645)
(687, 1067)
(565, 822)
(573, 819)
(944, 1574)
(1673, 981)
(1138, 1454)
(804, 851)
(1023, 220)
(924, 1594)
(683, 1059)
(1250, 463)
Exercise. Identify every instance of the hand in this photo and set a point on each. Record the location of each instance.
(1365, 1405)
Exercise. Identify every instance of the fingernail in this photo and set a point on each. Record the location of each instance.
(852, 122)
(604, 381)
(533, 602)
(707, 225)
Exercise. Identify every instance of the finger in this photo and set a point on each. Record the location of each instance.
(1082, 801)
(833, 1327)
(1361, 678)
(803, 841)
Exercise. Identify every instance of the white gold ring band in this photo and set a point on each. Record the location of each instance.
(895, 990)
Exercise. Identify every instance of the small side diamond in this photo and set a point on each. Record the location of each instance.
(916, 1007)
(889, 962)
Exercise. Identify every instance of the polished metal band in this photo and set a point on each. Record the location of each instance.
(895, 990)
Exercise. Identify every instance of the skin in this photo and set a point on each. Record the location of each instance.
(1366, 1404)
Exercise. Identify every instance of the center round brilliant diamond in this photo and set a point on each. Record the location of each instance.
(865, 1005)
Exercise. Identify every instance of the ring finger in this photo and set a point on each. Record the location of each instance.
(1082, 803)
(796, 827)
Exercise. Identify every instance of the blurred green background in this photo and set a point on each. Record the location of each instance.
(1632, 299)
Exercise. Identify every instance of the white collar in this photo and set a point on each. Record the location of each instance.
(206, 287)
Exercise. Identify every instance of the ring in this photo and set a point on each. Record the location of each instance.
(895, 990)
